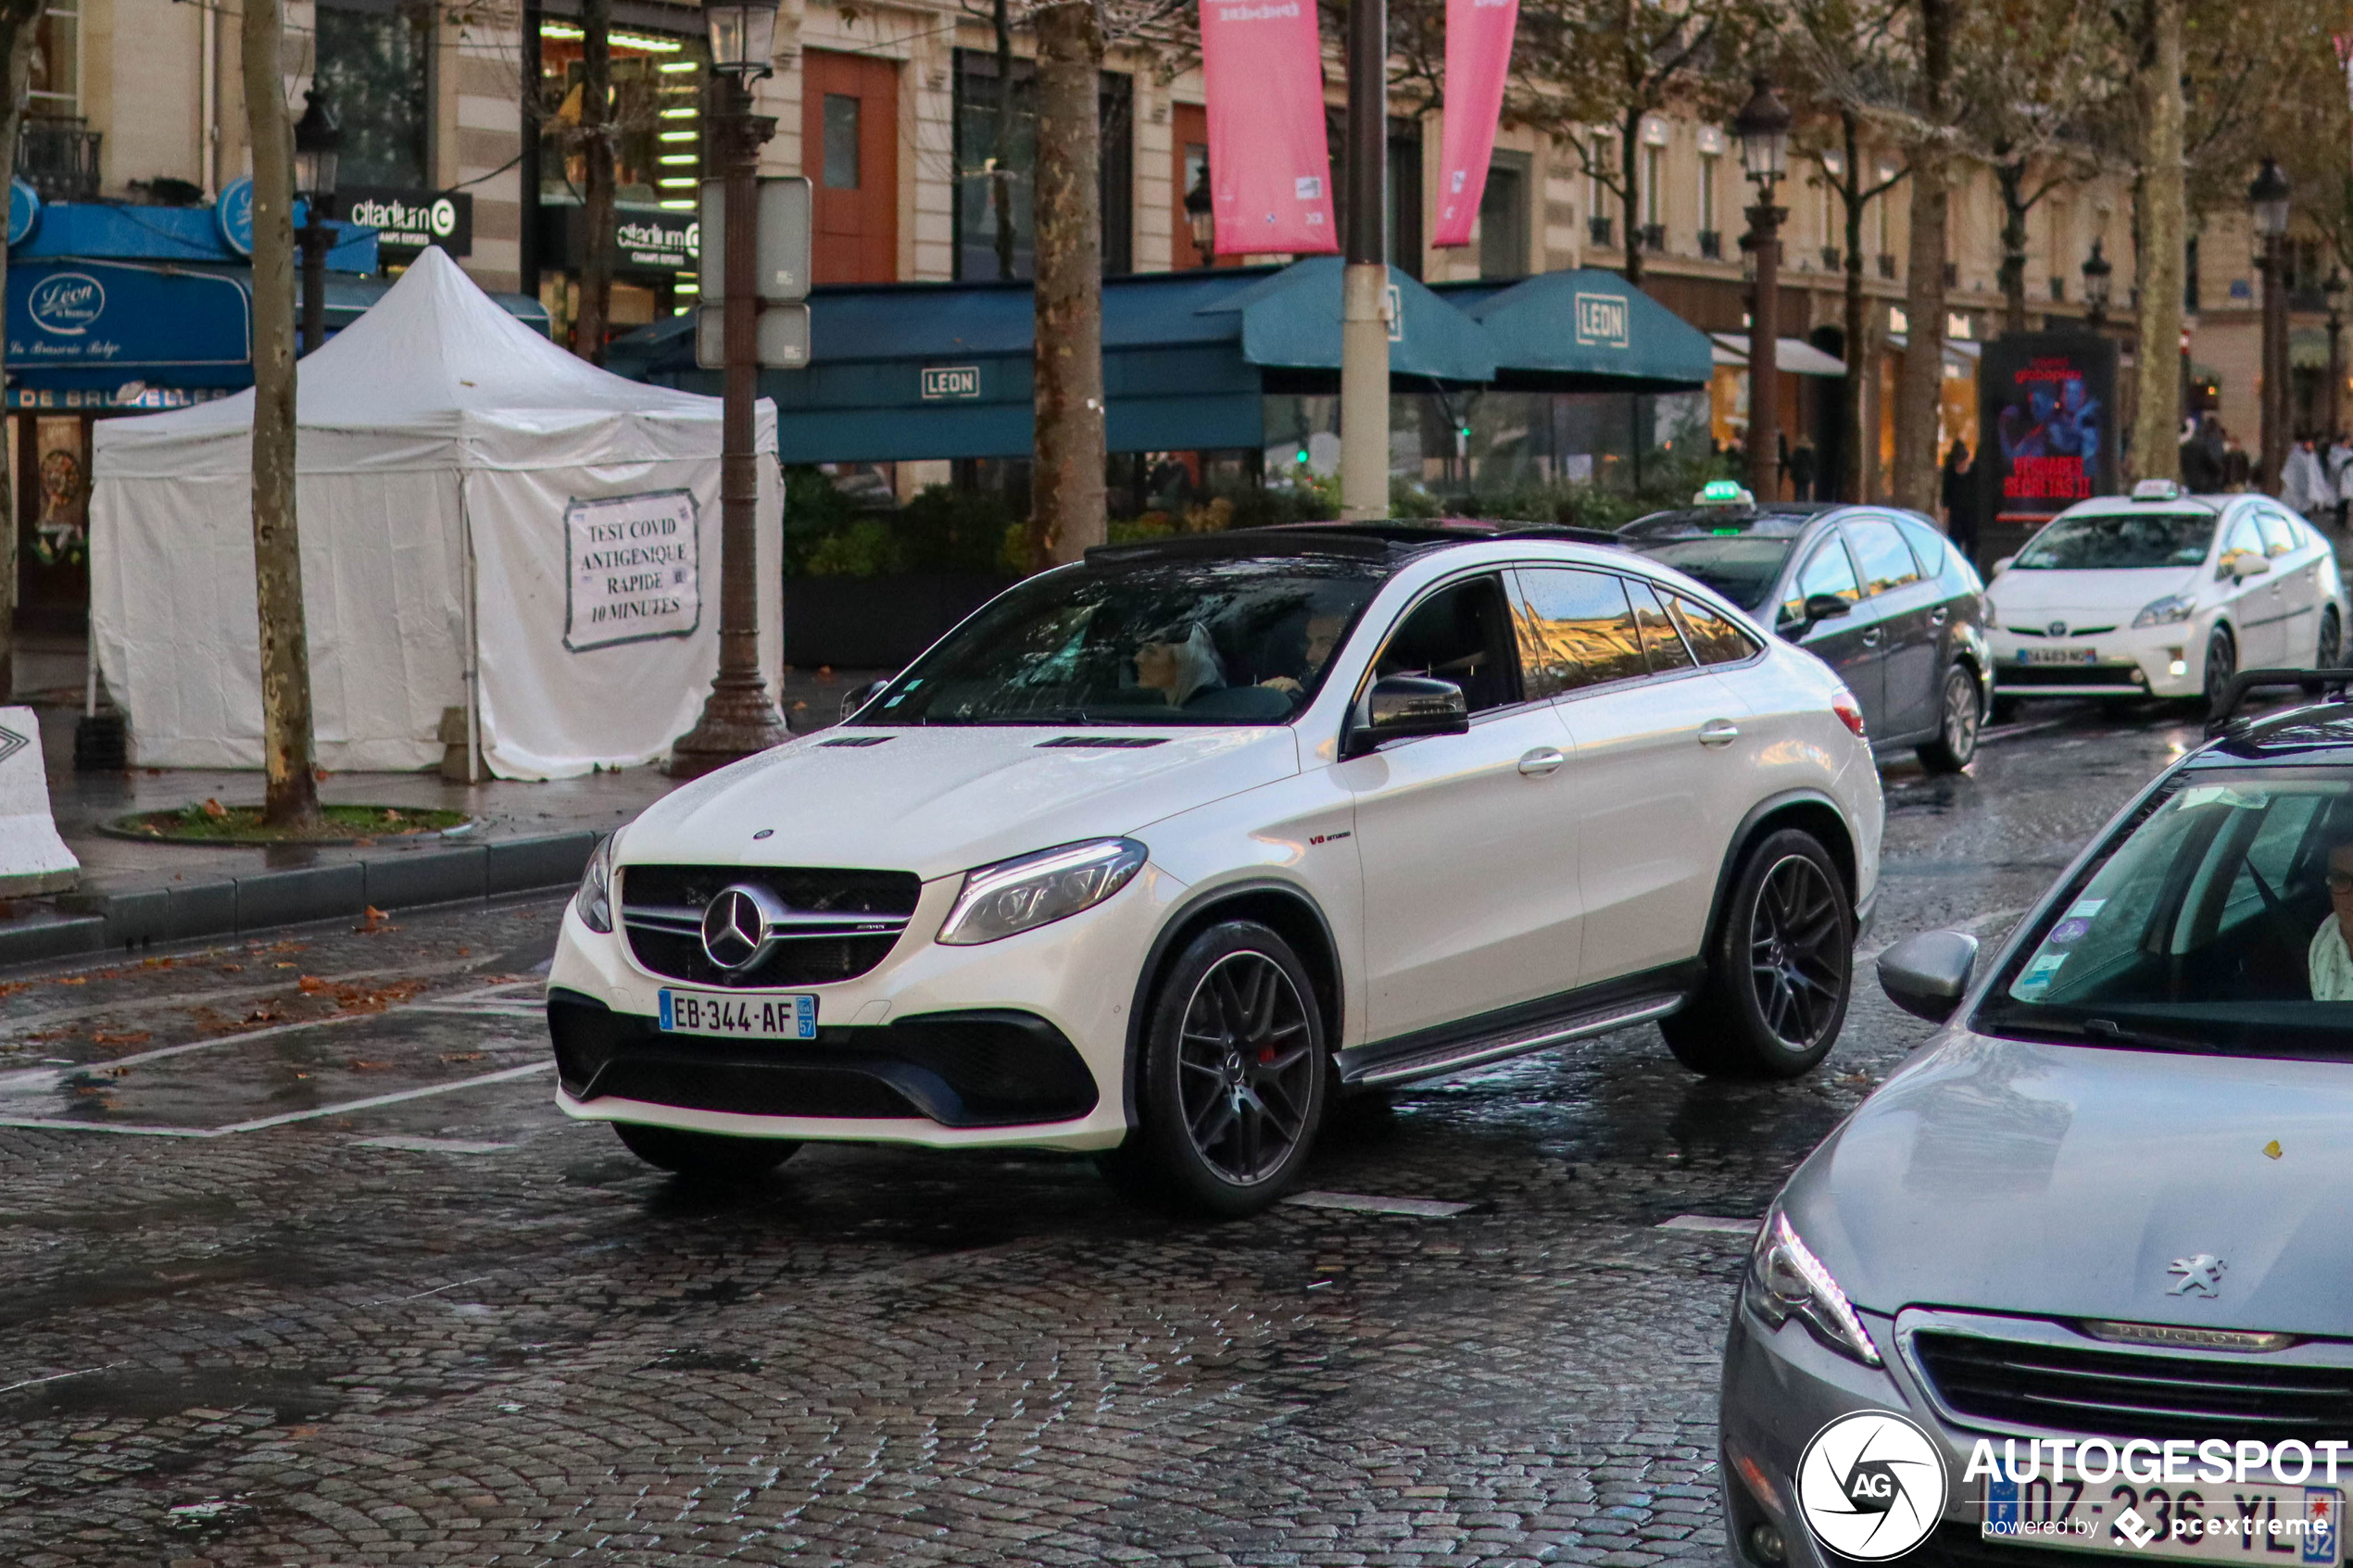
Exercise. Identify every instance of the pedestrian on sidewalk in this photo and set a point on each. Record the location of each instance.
(2304, 487)
(1960, 495)
(2340, 467)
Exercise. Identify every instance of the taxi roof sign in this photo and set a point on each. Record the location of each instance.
(2156, 490)
(1724, 493)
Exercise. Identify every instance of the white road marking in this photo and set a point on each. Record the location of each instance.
(1356, 1202)
(59, 1377)
(434, 1146)
(60, 1123)
(1717, 1223)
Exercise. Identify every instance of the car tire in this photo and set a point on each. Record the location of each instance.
(704, 1157)
(1961, 714)
(1234, 1078)
(2221, 663)
(2329, 654)
(1781, 966)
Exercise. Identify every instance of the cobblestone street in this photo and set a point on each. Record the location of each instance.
(342, 1288)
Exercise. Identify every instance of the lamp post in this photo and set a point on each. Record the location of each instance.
(1364, 289)
(318, 149)
(2099, 279)
(2333, 292)
(739, 718)
(1202, 219)
(1763, 124)
(2267, 198)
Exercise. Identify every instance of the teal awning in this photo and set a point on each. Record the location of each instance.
(1585, 331)
(1292, 322)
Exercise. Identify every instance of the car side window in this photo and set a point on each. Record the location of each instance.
(1937, 557)
(1827, 570)
(1462, 633)
(1575, 629)
(2279, 534)
(1887, 560)
(1662, 643)
(2243, 539)
(1712, 636)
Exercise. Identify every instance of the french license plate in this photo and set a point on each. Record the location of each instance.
(2058, 656)
(2291, 1526)
(741, 1017)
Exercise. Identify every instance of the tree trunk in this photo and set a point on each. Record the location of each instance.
(2162, 235)
(292, 792)
(1858, 362)
(1920, 391)
(1628, 154)
(2010, 177)
(17, 20)
(1066, 489)
(1001, 163)
(590, 328)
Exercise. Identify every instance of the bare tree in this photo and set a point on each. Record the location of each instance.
(597, 126)
(291, 799)
(1919, 386)
(1856, 194)
(18, 18)
(1067, 491)
(2161, 240)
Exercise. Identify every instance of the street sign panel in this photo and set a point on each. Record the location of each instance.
(782, 264)
(783, 337)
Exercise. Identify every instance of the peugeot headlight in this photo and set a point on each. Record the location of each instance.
(2170, 611)
(1035, 890)
(594, 899)
(1785, 1277)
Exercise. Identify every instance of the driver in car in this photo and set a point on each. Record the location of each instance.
(2331, 952)
(1323, 633)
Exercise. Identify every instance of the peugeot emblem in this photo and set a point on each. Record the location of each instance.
(737, 926)
(2057, 629)
(2200, 1275)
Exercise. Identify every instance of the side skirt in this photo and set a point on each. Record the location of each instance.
(1516, 1031)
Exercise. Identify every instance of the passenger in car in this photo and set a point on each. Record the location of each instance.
(2331, 952)
(1179, 668)
(1323, 633)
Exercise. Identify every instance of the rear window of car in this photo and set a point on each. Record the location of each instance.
(2113, 541)
(1743, 567)
(1711, 634)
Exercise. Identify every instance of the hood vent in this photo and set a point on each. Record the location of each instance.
(858, 740)
(1105, 743)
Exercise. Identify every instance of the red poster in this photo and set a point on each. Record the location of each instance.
(1479, 52)
(1270, 172)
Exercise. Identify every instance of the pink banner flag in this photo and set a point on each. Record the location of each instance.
(1270, 173)
(1478, 54)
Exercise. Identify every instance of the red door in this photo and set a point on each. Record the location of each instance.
(849, 150)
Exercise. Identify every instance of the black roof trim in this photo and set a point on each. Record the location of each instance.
(2316, 684)
(1358, 541)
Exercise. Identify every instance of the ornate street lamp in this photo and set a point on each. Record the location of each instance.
(739, 718)
(2267, 200)
(1200, 218)
(1763, 124)
(318, 140)
(2099, 280)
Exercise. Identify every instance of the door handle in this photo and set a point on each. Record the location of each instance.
(1939, 616)
(1870, 637)
(1719, 732)
(1540, 761)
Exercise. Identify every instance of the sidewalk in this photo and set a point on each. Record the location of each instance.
(525, 836)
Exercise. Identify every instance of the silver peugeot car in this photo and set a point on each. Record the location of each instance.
(2101, 1227)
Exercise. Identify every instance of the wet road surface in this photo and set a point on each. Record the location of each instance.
(298, 1264)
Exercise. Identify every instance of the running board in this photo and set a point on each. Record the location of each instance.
(1455, 1056)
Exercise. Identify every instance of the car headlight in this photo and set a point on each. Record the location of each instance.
(1035, 890)
(2169, 611)
(1785, 1277)
(594, 899)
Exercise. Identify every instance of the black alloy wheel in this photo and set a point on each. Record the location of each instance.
(1960, 715)
(2221, 663)
(704, 1157)
(1234, 1077)
(1779, 968)
(2332, 648)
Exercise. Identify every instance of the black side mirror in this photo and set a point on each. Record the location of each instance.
(1926, 975)
(1400, 706)
(1819, 608)
(852, 701)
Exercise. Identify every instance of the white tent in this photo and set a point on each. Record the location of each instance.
(487, 521)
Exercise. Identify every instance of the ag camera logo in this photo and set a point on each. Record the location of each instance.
(1871, 1485)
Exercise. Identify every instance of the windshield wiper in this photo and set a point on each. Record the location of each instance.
(2109, 1031)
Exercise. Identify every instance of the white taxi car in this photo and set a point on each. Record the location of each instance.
(2160, 594)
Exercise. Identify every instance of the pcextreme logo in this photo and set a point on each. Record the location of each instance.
(1871, 1485)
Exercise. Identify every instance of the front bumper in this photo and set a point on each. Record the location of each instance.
(2148, 661)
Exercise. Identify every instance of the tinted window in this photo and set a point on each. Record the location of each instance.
(1662, 644)
(1743, 567)
(1887, 560)
(1460, 633)
(1826, 571)
(1575, 629)
(1713, 637)
(2116, 540)
(2243, 538)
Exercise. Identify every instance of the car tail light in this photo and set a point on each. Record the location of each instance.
(1849, 711)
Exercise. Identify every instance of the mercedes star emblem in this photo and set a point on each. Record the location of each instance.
(2201, 1275)
(736, 926)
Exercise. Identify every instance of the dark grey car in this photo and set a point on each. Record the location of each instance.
(1875, 592)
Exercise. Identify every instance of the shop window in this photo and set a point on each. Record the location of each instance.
(1502, 218)
(372, 66)
(997, 163)
(656, 112)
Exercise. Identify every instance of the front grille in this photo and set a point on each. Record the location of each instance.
(846, 922)
(2066, 675)
(2120, 1392)
(2043, 632)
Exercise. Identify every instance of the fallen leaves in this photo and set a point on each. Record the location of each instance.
(374, 923)
(128, 1037)
(214, 810)
(358, 1066)
(464, 1056)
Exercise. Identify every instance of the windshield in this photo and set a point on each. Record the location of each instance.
(2120, 540)
(2223, 921)
(1743, 567)
(1198, 642)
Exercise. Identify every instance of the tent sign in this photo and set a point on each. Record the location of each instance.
(632, 570)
